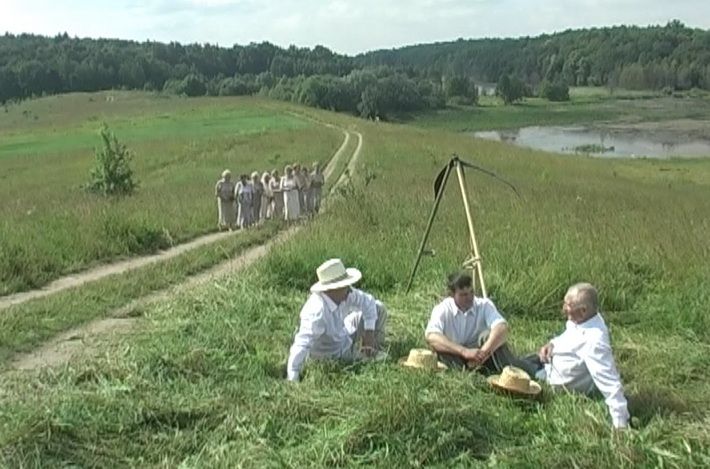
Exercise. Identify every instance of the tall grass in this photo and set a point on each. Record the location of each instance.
(201, 385)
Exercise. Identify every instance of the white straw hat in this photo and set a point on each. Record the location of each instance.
(515, 380)
(422, 358)
(332, 275)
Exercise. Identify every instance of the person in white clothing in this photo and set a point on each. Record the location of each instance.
(334, 318)
(289, 188)
(469, 332)
(580, 359)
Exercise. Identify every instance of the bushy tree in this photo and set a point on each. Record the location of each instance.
(112, 174)
(461, 89)
(510, 88)
(554, 91)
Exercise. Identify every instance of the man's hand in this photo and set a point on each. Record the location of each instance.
(368, 344)
(545, 353)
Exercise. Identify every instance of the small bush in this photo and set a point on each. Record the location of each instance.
(554, 91)
(112, 174)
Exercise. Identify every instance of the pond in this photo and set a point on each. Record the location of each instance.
(613, 143)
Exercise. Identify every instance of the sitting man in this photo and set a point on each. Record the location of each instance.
(334, 318)
(580, 358)
(469, 332)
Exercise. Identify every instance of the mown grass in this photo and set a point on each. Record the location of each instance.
(50, 227)
(201, 385)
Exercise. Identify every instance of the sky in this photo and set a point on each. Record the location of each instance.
(345, 26)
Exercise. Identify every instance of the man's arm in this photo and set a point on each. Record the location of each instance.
(367, 304)
(496, 338)
(442, 344)
(600, 363)
(310, 329)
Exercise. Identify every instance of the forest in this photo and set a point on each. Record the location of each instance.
(374, 84)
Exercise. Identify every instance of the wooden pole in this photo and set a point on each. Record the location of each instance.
(478, 269)
(429, 225)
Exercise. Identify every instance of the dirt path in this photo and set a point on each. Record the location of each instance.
(86, 341)
(100, 272)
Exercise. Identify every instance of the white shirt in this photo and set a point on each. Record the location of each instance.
(464, 327)
(582, 361)
(323, 332)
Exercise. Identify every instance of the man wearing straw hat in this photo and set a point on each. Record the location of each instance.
(580, 359)
(334, 318)
(469, 332)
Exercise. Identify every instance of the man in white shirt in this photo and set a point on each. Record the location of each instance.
(469, 332)
(580, 359)
(335, 317)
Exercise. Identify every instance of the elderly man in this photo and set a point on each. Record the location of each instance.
(334, 318)
(469, 332)
(580, 359)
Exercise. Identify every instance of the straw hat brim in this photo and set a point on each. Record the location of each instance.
(353, 275)
(404, 361)
(533, 387)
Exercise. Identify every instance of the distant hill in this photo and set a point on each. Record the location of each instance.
(653, 57)
(408, 78)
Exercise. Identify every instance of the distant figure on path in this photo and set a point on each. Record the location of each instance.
(300, 184)
(257, 192)
(277, 210)
(469, 332)
(580, 359)
(267, 197)
(334, 318)
(289, 187)
(224, 191)
(317, 182)
(243, 193)
(306, 191)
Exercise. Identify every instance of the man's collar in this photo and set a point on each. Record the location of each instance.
(458, 310)
(328, 302)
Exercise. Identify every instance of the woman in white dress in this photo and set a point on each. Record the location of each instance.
(224, 191)
(277, 209)
(257, 192)
(289, 188)
(266, 197)
(243, 193)
(317, 182)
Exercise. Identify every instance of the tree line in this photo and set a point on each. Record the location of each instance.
(671, 56)
(375, 84)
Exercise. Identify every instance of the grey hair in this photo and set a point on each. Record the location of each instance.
(585, 293)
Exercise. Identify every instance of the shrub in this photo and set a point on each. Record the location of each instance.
(554, 91)
(112, 174)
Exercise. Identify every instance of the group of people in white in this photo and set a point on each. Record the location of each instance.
(253, 199)
(466, 332)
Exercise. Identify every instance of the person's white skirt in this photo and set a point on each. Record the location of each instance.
(292, 205)
(226, 212)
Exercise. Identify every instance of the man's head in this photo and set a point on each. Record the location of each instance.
(581, 302)
(334, 280)
(460, 286)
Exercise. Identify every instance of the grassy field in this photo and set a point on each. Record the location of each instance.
(50, 227)
(587, 106)
(201, 384)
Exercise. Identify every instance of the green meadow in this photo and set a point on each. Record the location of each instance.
(588, 106)
(200, 384)
(51, 227)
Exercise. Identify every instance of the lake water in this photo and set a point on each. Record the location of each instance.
(617, 143)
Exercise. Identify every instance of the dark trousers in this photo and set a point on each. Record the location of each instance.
(499, 359)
